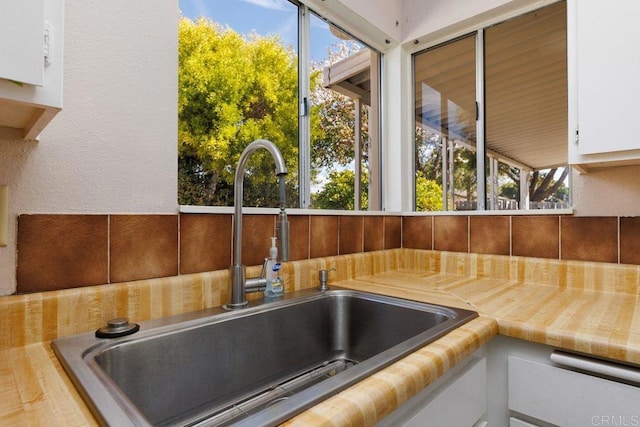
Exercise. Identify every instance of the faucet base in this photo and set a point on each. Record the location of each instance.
(231, 307)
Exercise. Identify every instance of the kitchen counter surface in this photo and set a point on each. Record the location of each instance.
(36, 391)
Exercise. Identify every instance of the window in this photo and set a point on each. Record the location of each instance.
(502, 145)
(276, 71)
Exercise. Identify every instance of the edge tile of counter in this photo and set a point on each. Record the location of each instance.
(373, 398)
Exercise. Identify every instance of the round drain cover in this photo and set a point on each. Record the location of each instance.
(118, 327)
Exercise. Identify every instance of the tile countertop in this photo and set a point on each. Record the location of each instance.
(589, 308)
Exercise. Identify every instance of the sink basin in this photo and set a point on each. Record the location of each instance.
(256, 366)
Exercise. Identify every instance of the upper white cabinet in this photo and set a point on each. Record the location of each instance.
(31, 46)
(604, 88)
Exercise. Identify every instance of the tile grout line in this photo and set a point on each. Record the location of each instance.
(433, 233)
(362, 235)
(559, 237)
(510, 235)
(179, 237)
(108, 248)
(618, 218)
(338, 239)
(309, 239)
(468, 234)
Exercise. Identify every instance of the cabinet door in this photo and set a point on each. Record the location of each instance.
(567, 398)
(460, 401)
(608, 72)
(22, 41)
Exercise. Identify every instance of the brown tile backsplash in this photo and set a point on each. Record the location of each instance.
(257, 231)
(392, 232)
(324, 236)
(417, 232)
(298, 237)
(64, 251)
(589, 238)
(61, 251)
(630, 240)
(489, 235)
(205, 242)
(450, 233)
(143, 246)
(350, 234)
(373, 233)
(535, 236)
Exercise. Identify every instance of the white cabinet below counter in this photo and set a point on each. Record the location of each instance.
(31, 49)
(459, 398)
(560, 396)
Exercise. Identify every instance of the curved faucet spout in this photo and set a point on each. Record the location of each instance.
(238, 270)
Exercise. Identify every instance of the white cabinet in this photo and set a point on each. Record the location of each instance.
(31, 52)
(603, 71)
(22, 41)
(566, 398)
(459, 398)
(516, 383)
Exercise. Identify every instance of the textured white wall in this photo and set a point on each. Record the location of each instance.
(607, 191)
(112, 148)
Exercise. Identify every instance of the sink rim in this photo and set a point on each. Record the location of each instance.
(115, 408)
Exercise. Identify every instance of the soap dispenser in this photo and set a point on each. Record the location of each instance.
(275, 286)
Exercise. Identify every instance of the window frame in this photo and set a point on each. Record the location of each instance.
(304, 131)
(475, 28)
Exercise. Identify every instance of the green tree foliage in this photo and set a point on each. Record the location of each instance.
(428, 194)
(337, 193)
(428, 164)
(233, 90)
(333, 116)
(510, 190)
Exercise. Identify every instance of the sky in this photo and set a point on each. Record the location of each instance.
(263, 16)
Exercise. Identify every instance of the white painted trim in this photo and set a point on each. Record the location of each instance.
(320, 212)
(530, 212)
(275, 211)
(495, 16)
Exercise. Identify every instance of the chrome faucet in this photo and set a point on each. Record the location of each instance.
(237, 272)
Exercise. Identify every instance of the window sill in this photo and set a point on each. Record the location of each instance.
(294, 211)
(512, 212)
(275, 211)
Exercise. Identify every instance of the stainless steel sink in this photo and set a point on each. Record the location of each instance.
(257, 366)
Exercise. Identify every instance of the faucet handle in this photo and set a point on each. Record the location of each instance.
(323, 278)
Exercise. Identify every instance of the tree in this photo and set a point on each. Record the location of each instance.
(333, 116)
(233, 90)
(428, 194)
(542, 184)
(428, 162)
(333, 142)
(337, 193)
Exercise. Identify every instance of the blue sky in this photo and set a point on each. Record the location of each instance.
(263, 16)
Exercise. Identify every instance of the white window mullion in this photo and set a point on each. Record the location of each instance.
(451, 143)
(304, 91)
(480, 143)
(357, 182)
(445, 173)
(524, 188)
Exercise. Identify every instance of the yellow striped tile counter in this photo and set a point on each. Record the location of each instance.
(585, 307)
